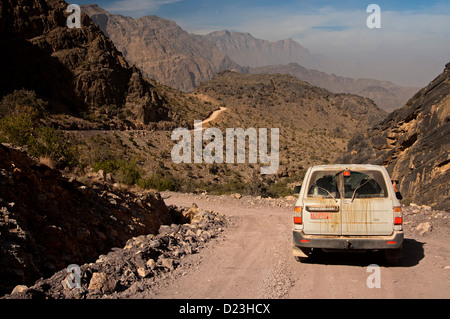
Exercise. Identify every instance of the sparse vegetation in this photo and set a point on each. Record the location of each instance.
(20, 124)
(159, 182)
(300, 111)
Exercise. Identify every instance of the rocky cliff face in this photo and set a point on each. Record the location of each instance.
(161, 49)
(77, 70)
(414, 144)
(48, 221)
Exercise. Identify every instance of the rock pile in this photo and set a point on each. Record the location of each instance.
(48, 221)
(133, 268)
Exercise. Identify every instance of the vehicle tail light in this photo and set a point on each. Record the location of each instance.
(398, 217)
(298, 215)
(298, 209)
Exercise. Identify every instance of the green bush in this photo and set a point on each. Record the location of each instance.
(52, 143)
(279, 189)
(9, 103)
(126, 172)
(109, 166)
(129, 174)
(160, 183)
(17, 127)
(21, 126)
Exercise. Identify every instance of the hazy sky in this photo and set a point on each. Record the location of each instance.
(411, 47)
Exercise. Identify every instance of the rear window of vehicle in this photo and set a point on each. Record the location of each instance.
(356, 184)
(324, 184)
(365, 184)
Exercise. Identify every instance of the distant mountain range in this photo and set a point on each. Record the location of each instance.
(247, 50)
(170, 55)
(387, 95)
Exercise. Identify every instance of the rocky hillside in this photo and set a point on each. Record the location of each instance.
(315, 126)
(386, 95)
(48, 221)
(79, 71)
(314, 123)
(161, 49)
(413, 143)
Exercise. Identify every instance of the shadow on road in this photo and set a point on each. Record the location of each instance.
(413, 252)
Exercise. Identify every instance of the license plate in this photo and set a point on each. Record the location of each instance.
(321, 215)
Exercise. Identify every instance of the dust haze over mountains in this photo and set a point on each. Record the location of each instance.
(409, 49)
(170, 55)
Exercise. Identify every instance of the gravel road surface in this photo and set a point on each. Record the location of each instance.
(252, 258)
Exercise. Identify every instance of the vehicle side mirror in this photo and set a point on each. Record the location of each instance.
(297, 189)
(395, 183)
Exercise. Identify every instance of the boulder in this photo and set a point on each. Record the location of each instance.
(102, 282)
(424, 228)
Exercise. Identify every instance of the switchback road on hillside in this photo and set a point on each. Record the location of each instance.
(212, 117)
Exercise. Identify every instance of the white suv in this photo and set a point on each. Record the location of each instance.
(347, 207)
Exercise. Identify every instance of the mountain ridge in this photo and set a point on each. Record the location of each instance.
(247, 50)
(165, 52)
(77, 70)
(161, 49)
(387, 95)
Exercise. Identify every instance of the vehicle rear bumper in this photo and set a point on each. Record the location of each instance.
(393, 241)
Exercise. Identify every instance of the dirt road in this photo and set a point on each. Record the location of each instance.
(212, 117)
(252, 259)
